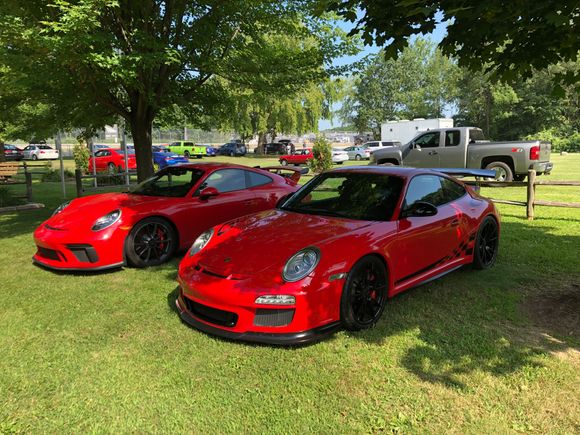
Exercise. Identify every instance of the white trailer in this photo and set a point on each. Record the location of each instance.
(405, 130)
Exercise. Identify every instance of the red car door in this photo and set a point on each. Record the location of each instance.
(426, 242)
(233, 200)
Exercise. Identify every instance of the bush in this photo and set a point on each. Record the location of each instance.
(110, 179)
(8, 199)
(322, 153)
(54, 175)
(81, 156)
(560, 140)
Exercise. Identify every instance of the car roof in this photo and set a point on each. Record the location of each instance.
(399, 171)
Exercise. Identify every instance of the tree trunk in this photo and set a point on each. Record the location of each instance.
(261, 142)
(141, 128)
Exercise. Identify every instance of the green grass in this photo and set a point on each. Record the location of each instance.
(107, 352)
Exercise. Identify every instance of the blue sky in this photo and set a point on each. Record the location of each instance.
(437, 35)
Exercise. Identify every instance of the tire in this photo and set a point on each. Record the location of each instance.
(519, 177)
(232, 154)
(339, 163)
(284, 162)
(186, 154)
(112, 168)
(486, 244)
(503, 171)
(34, 157)
(358, 157)
(364, 294)
(386, 164)
(151, 242)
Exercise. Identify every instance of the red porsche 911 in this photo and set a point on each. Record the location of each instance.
(332, 253)
(146, 226)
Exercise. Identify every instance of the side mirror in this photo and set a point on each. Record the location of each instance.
(420, 209)
(208, 193)
(416, 146)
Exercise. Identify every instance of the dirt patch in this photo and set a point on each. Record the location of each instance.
(557, 310)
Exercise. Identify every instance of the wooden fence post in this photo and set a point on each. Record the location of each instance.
(79, 182)
(531, 194)
(28, 178)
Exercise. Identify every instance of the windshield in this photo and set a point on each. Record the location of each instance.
(352, 195)
(173, 181)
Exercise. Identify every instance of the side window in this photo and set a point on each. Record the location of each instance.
(99, 153)
(28, 148)
(426, 188)
(373, 144)
(428, 140)
(174, 144)
(452, 189)
(188, 144)
(452, 138)
(226, 180)
(255, 179)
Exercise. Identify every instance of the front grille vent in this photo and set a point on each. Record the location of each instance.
(265, 317)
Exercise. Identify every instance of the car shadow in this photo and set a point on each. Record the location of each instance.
(473, 320)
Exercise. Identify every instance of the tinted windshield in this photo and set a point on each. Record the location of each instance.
(172, 181)
(350, 195)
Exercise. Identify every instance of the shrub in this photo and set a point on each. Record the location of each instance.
(54, 175)
(110, 179)
(560, 141)
(8, 199)
(81, 156)
(322, 155)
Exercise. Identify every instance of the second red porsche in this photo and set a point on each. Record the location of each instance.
(162, 215)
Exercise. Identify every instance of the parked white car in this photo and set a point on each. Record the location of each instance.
(377, 145)
(339, 156)
(358, 153)
(40, 152)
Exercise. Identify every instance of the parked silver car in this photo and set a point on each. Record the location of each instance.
(358, 153)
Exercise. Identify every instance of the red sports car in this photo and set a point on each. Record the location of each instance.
(332, 253)
(163, 214)
(112, 160)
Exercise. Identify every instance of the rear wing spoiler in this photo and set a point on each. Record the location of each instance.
(460, 172)
(294, 174)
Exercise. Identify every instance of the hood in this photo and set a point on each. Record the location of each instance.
(251, 244)
(83, 211)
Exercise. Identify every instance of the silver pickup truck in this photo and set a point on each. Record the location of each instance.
(465, 147)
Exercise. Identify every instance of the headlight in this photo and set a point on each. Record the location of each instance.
(61, 207)
(301, 264)
(106, 221)
(200, 242)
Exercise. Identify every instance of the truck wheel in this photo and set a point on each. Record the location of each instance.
(502, 171)
(519, 177)
(186, 154)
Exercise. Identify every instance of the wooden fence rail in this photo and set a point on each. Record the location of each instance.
(531, 200)
(79, 177)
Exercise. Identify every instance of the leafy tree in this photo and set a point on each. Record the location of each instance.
(135, 58)
(420, 83)
(509, 38)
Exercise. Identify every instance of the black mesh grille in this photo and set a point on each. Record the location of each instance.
(51, 254)
(266, 317)
(211, 315)
(84, 253)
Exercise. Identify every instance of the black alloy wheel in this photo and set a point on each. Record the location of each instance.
(151, 242)
(486, 244)
(364, 294)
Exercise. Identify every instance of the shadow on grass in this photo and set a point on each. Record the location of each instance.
(471, 321)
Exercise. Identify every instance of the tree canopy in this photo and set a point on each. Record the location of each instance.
(508, 38)
(134, 59)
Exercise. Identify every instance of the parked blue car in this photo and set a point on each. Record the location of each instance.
(163, 157)
(210, 151)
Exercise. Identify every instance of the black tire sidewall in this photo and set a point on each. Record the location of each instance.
(505, 167)
(346, 315)
(133, 259)
(477, 261)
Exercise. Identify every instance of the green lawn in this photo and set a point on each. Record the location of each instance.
(492, 351)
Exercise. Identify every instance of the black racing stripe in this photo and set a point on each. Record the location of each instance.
(419, 272)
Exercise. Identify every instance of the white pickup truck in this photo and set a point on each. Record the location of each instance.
(465, 147)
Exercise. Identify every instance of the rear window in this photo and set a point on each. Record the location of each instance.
(475, 134)
(255, 179)
(44, 147)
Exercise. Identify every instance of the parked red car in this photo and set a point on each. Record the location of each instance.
(162, 215)
(365, 234)
(300, 157)
(112, 160)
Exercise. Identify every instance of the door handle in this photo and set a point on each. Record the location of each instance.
(433, 153)
(454, 222)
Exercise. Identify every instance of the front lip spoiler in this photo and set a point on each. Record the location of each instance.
(78, 269)
(290, 339)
